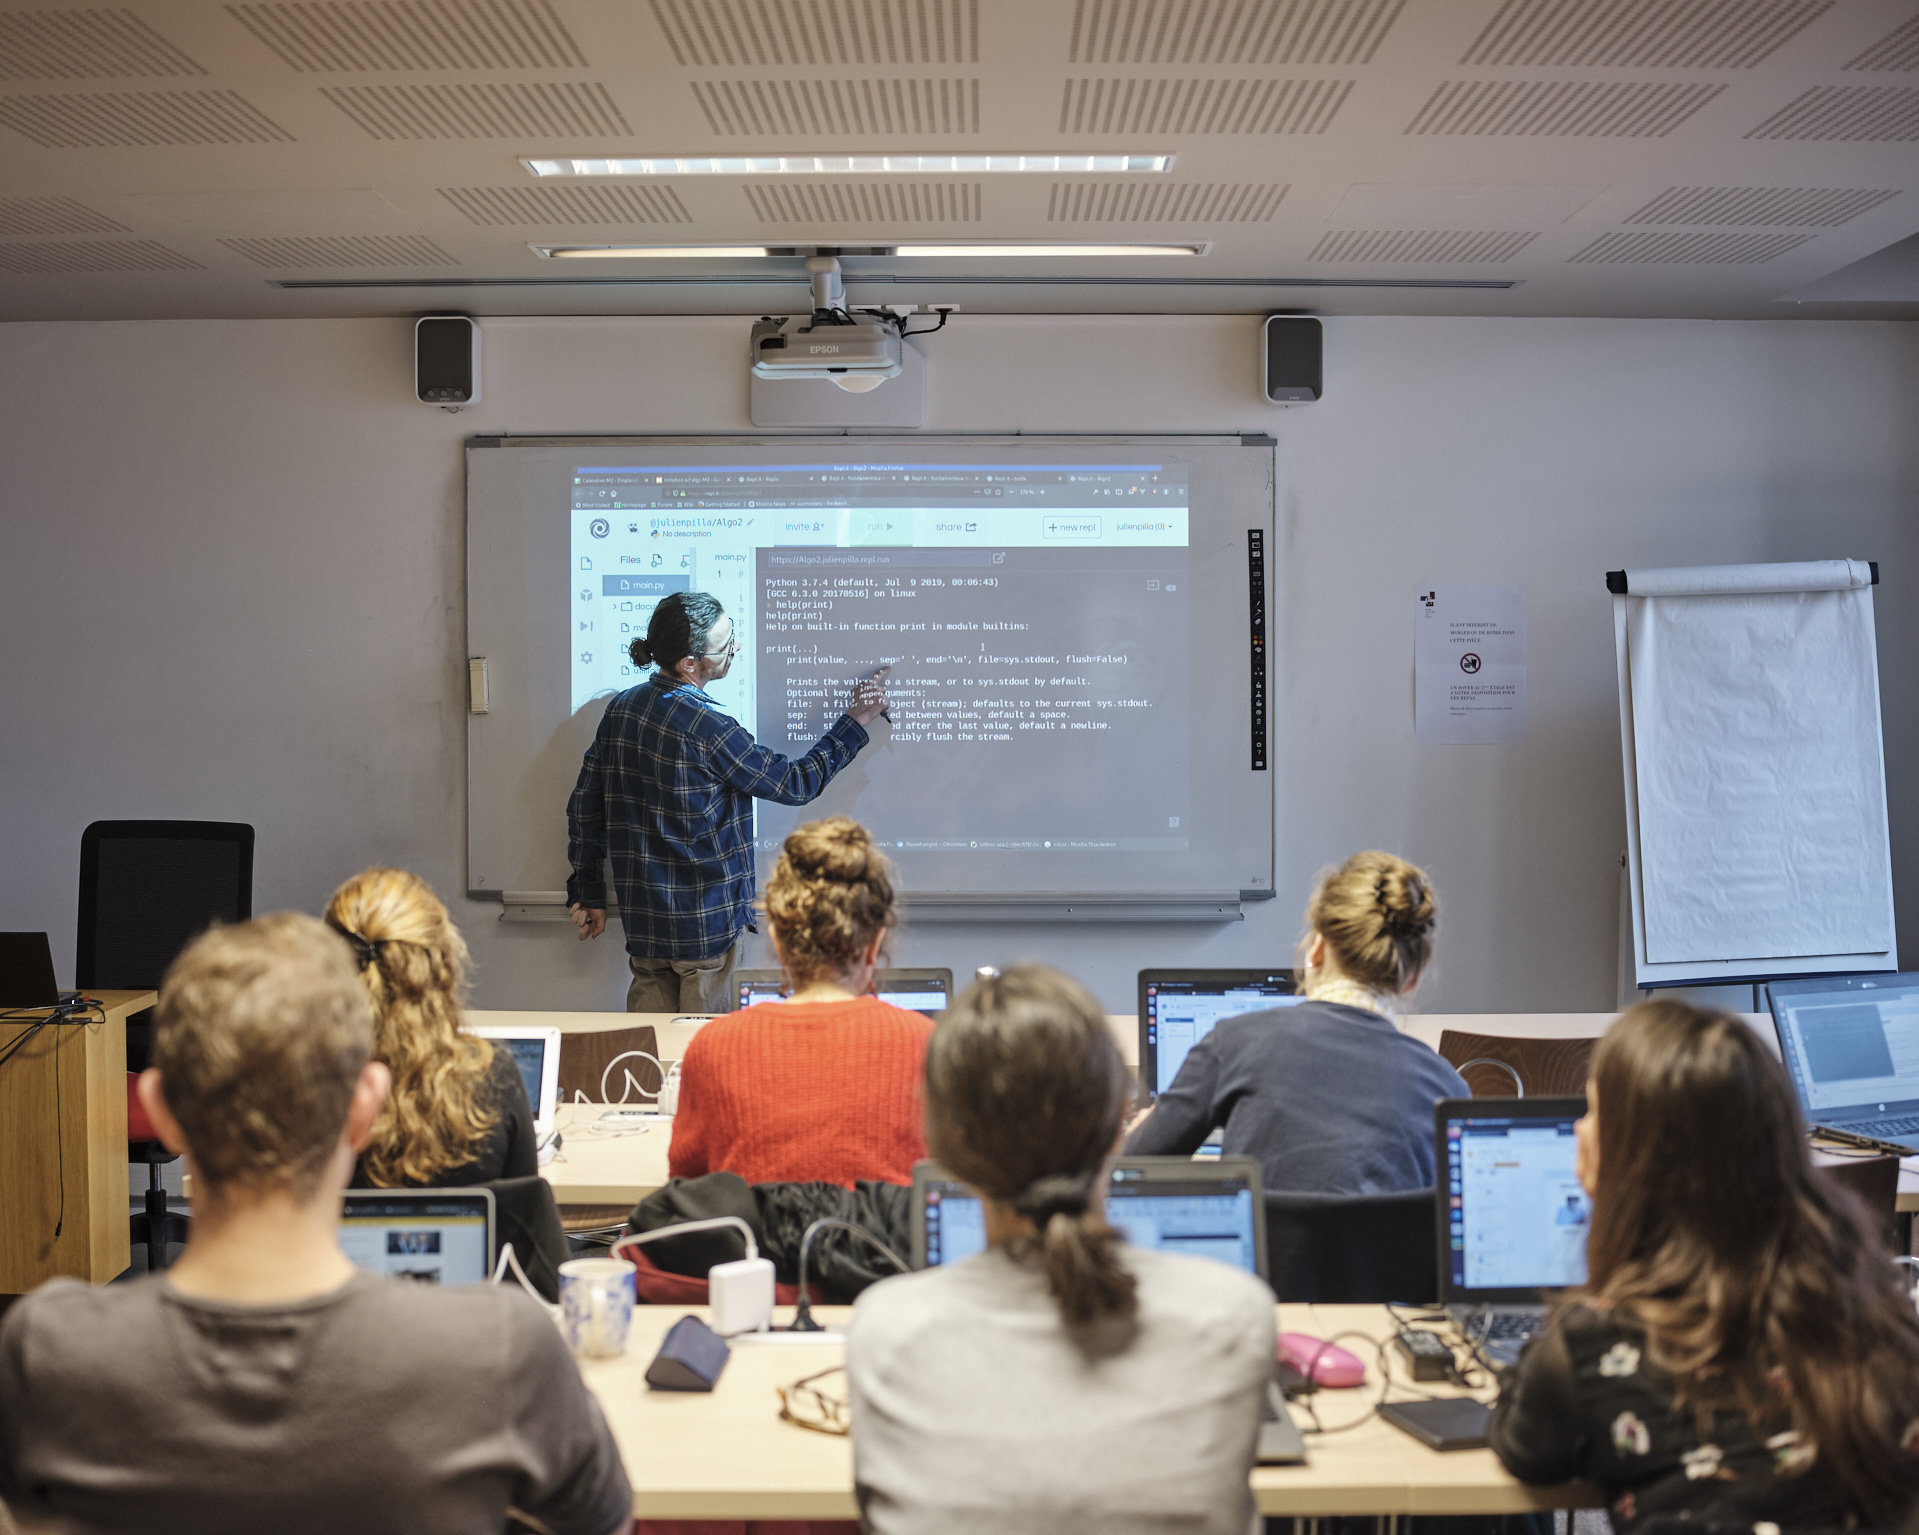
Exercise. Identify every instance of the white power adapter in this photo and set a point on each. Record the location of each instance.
(741, 1295)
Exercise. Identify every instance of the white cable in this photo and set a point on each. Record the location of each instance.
(631, 1085)
(511, 1259)
(638, 1237)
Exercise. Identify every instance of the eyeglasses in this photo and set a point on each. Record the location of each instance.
(805, 1405)
(730, 650)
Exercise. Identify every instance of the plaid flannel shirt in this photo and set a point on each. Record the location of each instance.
(667, 790)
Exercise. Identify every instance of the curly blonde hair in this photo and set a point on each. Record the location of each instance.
(1377, 914)
(413, 964)
(830, 893)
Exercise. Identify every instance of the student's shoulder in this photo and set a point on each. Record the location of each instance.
(454, 1324)
(903, 1304)
(80, 1315)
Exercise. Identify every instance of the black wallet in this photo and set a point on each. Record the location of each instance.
(1444, 1423)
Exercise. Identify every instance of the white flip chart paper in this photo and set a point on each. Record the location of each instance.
(1469, 654)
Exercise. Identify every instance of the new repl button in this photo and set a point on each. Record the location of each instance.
(1071, 527)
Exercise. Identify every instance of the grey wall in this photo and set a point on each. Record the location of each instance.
(230, 587)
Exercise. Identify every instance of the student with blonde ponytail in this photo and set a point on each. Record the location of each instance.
(458, 1113)
(1060, 1379)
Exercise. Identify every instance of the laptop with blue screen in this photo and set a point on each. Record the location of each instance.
(1851, 1047)
(1179, 1008)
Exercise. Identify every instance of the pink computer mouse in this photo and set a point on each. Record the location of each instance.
(1325, 1364)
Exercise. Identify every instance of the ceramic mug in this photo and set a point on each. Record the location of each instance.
(596, 1305)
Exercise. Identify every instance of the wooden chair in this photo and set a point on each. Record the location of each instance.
(584, 1059)
(1548, 1068)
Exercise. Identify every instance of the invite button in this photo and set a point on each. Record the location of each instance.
(1070, 527)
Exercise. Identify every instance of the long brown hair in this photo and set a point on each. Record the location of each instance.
(1025, 1095)
(1761, 1286)
(830, 894)
(1377, 913)
(413, 963)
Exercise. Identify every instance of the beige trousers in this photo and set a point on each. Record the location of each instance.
(685, 985)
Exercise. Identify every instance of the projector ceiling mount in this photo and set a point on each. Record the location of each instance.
(858, 349)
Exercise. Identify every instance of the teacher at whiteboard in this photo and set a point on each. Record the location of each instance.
(667, 791)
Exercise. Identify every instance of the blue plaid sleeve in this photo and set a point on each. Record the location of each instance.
(746, 765)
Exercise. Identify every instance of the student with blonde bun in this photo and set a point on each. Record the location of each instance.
(1327, 1094)
(458, 1113)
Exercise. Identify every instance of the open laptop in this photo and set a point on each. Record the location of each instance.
(1179, 1008)
(919, 991)
(431, 1236)
(1207, 1209)
(26, 972)
(536, 1052)
(1851, 1047)
(1512, 1217)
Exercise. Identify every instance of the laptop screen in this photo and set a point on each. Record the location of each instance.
(426, 1236)
(529, 1054)
(1517, 1216)
(1177, 1011)
(917, 993)
(1851, 1045)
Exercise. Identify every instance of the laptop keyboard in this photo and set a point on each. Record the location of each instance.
(1883, 1127)
(1514, 1325)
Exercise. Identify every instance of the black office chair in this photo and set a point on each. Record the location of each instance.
(1352, 1249)
(146, 889)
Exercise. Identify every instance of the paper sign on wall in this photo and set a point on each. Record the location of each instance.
(1470, 663)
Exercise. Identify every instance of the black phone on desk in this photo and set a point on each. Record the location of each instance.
(1442, 1423)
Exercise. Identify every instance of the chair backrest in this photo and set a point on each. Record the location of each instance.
(1875, 1180)
(1352, 1249)
(1550, 1068)
(584, 1058)
(148, 887)
(526, 1215)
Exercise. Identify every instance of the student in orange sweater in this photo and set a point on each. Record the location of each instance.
(823, 1087)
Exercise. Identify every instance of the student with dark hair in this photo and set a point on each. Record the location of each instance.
(1327, 1094)
(1060, 1379)
(667, 790)
(1743, 1352)
(263, 1382)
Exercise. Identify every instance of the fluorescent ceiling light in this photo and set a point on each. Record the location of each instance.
(856, 165)
(633, 252)
(1196, 248)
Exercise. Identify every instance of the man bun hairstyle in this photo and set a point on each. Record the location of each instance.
(681, 626)
(1378, 914)
(1025, 1096)
(830, 894)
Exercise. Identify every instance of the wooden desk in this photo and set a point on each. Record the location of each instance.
(63, 1127)
(727, 1455)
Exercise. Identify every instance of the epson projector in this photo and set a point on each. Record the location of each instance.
(857, 352)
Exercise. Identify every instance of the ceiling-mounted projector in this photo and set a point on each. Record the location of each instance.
(858, 350)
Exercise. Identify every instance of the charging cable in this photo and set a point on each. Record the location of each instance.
(1911, 1263)
(630, 1085)
(636, 1238)
(740, 1294)
(511, 1260)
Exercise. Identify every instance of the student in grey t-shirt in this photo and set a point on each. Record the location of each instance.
(264, 1383)
(1058, 1381)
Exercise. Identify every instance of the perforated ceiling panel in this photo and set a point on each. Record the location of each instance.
(1201, 106)
(1230, 31)
(868, 203)
(1641, 34)
(53, 216)
(1720, 249)
(1828, 207)
(1136, 203)
(555, 109)
(1875, 113)
(342, 250)
(95, 256)
(1898, 49)
(838, 108)
(731, 33)
(413, 34)
(140, 117)
(1421, 245)
(1559, 108)
(85, 45)
(582, 203)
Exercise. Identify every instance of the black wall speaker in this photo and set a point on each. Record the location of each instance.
(446, 359)
(1292, 354)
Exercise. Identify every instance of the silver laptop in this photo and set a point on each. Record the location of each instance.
(1512, 1217)
(428, 1236)
(1851, 1047)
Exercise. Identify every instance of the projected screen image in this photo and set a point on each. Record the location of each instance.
(1035, 619)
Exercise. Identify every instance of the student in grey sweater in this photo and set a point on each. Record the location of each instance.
(1328, 1095)
(264, 1383)
(1059, 1381)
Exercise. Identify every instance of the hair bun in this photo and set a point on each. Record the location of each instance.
(836, 848)
(1406, 907)
(639, 652)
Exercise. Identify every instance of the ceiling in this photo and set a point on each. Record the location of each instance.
(1715, 158)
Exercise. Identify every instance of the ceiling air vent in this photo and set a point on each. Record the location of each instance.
(815, 108)
(1230, 31)
(1641, 34)
(1559, 108)
(1213, 202)
(575, 203)
(1827, 207)
(85, 45)
(140, 117)
(556, 109)
(342, 250)
(1700, 249)
(1897, 50)
(864, 202)
(53, 216)
(1201, 106)
(1455, 245)
(95, 256)
(731, 33)
(413, 34)
(1882, 114)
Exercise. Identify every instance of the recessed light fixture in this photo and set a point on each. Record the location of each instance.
(949, 252)
(1193, 248)
(639, 252)
(854, 165)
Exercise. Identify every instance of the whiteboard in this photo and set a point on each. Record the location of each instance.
(1754, 773)
(1095, 745)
